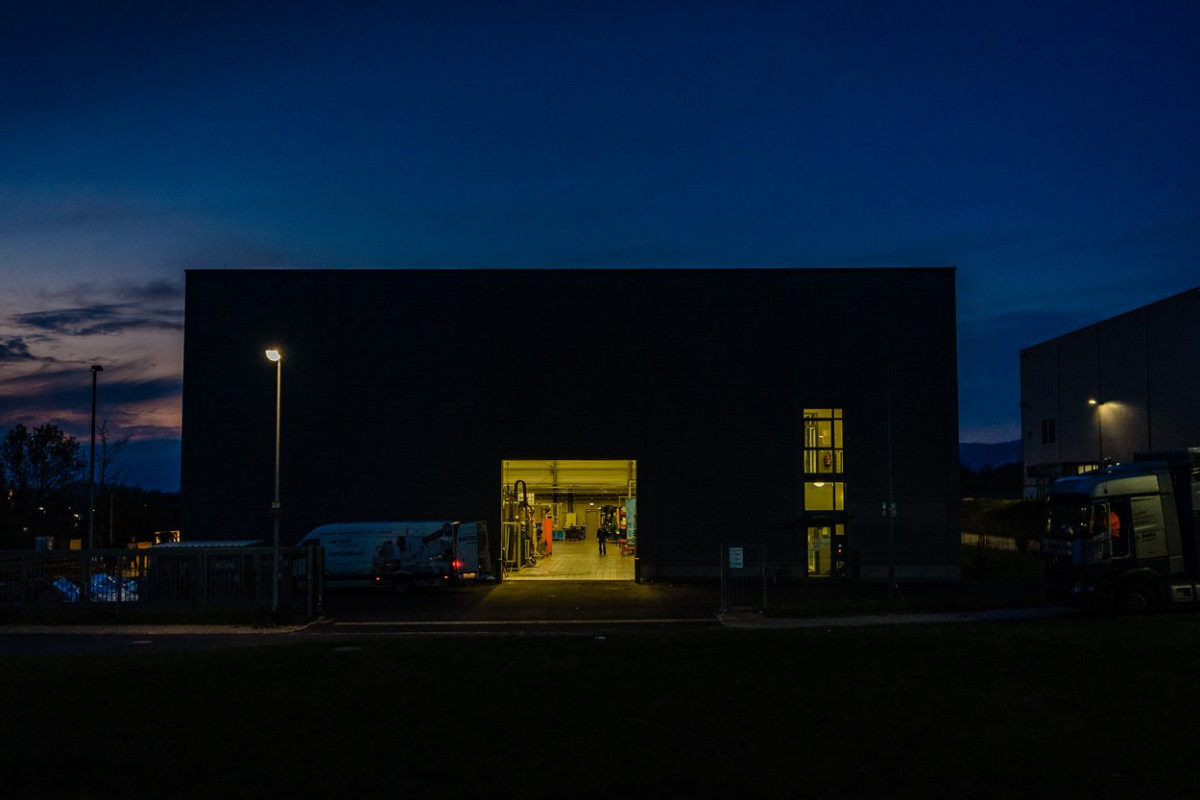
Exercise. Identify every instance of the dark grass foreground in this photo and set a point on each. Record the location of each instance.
(1091, 707)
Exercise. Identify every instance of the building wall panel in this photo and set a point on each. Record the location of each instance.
(403, 390)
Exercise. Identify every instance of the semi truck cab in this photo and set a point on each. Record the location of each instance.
(1125, 536)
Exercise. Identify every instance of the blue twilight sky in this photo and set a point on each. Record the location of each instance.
(1048, 150)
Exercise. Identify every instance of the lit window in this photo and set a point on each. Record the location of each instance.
(824, 460)
(821, 496)
(823, 453)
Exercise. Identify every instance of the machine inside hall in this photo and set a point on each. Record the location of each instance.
(552, 515)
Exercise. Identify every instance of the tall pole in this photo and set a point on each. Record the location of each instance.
(891, 504)
(275, 508)
(96, 368)
(1099, 404)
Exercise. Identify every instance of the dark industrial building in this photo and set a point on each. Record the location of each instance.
(775, 408)
(1104, 393)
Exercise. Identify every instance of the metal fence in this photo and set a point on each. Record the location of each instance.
(743, 577)
(176, 578)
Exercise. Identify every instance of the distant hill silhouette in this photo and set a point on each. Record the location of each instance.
(977, 455)
(152, 464)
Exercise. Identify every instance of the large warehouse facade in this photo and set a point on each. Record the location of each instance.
(775, 408)
(1104, 393)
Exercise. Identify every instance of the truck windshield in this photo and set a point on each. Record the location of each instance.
(1070, 515)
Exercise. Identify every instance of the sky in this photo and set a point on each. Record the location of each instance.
(1047, 150)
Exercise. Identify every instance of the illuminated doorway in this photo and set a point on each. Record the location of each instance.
(826, 551)
(552, 513)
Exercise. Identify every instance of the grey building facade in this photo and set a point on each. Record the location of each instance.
(1101, 394)
(771, 407)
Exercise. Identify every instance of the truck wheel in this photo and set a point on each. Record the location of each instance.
(1135, 599)
(401, 584)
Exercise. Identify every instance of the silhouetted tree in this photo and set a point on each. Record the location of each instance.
(42, 469)
(6, 510)
(106, 460)
(110, 479)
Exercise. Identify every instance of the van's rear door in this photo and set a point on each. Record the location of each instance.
(484, 549)
(466, 549)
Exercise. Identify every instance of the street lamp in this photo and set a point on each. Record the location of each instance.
(96, 369)
(274, 354)
(1099, 427)
(889, 508)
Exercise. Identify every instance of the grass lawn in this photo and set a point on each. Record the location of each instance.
(1098, 706)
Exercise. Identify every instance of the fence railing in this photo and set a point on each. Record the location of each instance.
(743, 577)
(177, 578)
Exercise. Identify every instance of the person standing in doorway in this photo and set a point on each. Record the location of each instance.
(602, 538)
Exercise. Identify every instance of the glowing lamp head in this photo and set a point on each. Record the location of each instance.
(1093, 401)
(274, 355)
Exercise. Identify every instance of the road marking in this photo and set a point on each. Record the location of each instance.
(414, 633)
(514, 622)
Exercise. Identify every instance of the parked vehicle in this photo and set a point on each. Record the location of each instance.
(1126, 536)
(403, 554)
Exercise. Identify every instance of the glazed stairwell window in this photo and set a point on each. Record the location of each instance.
(824, 460)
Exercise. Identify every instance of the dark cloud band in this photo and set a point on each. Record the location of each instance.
(102, 319)
(15, 350)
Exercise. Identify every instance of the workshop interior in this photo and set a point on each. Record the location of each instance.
(555, 516)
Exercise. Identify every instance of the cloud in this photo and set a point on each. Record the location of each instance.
(14, 350)
(154, 291)
(85, 293)
(135, 392)
(62, 394)
(102, 319)
(61, 384)
(132, 328)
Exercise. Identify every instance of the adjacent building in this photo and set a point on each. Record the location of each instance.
(1102, 394)
(779, 408)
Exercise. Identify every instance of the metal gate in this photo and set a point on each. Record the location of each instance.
(743, 577)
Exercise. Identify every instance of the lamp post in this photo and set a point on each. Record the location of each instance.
(274, 354)
(96, 369)
(889, 508)
(1099, 404)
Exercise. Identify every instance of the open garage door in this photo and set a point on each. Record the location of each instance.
(571, 520)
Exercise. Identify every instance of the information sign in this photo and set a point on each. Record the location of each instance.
(736, 559)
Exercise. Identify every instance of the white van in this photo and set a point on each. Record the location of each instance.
(403, 554)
